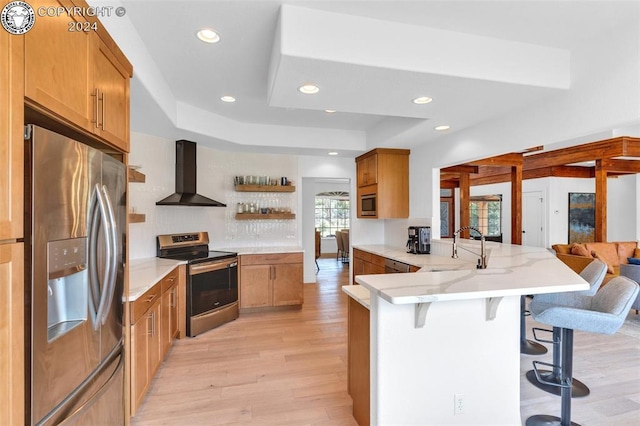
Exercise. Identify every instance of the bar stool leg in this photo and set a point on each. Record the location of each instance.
(565, 379)
(579, 389)
(528, 347)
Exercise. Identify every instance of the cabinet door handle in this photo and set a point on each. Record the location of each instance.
(97, 96)
(173, 298)
(102, 99)
(152, 317)
(274, 273)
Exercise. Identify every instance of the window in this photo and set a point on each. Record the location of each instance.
(486, 214)
(332, 214)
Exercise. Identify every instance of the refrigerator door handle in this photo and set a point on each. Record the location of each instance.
(113, 260)
(102, 208)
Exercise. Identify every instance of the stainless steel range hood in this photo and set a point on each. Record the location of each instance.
(185, 194)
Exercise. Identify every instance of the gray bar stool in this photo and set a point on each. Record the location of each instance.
(528, 347)
(603, 313)
(593, 273)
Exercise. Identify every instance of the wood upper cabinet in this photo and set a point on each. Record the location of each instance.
(111, 83)
(367, 170)
(78, 76)
(57, 66)
(12, 137)
(384, 173)
(271, 280)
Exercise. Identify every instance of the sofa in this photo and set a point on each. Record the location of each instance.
(577, 256)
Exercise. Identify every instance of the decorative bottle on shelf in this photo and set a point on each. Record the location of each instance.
(240, 208)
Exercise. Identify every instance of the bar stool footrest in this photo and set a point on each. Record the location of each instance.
(546, 330)
(579, 389)
(546, 420)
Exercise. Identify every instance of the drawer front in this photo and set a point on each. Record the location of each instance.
(270, 259)
(364, 255)
(142, 304)
(169, 280)
(377, 260)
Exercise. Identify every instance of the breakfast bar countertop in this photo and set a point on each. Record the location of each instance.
(512, 270)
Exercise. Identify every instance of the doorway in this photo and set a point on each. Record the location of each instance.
(533, 219)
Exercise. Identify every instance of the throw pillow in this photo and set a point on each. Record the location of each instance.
(580, 250)
(602, 259)
(636, 253)
(633, 260)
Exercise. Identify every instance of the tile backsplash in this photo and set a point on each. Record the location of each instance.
(216, 172)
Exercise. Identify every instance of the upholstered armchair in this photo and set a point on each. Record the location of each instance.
(632, 272)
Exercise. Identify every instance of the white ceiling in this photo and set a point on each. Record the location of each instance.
(477, 59)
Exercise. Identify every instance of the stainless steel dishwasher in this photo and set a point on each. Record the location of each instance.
(394, 267)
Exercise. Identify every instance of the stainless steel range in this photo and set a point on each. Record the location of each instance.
(212, 279)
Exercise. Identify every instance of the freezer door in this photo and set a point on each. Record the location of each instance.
(65, 347)
(99, 399)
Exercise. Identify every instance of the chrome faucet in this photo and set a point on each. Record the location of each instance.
(482, 262)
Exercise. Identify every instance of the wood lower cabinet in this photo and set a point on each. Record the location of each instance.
(12, 377)
(86, 82)
(384, 173)
(169, 314)
(365, 263)
(269, 280)
(358, 360)
(154, 324)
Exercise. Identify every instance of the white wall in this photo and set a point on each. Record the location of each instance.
(216, 170)
(622, 202)
(601, 99)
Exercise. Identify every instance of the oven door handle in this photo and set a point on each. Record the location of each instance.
(209, 267)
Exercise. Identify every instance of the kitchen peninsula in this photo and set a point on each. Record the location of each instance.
(444, 341)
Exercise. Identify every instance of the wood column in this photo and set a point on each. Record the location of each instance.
(465, 217)
(516, 204)
(601, 202)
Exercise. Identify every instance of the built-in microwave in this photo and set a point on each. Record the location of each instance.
(368, 205)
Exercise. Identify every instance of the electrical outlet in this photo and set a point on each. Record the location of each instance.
(458, 404)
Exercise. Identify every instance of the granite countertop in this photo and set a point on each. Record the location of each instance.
(144, 273)
(512, 270)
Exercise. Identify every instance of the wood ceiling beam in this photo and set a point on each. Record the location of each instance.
(621, 166)
(557, 171)
(463, 168)
(511, 159)
(449, 184)
(449, 176)
(533, 149)
(610, 148)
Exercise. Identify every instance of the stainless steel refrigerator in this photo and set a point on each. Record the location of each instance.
(78, 204)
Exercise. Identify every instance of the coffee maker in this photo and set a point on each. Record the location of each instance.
(419, 241)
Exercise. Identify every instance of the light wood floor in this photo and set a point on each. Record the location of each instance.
(289, 368)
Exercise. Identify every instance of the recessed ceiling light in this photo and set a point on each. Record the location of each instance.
(329, 111)
(309, 89)
(442, 127)
(333, 153)
(208, 35)
(422, 100)
(227, 98)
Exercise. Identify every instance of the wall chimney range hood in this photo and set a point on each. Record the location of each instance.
(185, 194)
